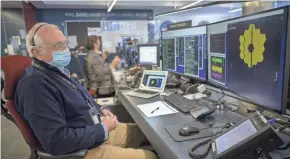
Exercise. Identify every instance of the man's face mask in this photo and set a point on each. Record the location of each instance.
(60, 59)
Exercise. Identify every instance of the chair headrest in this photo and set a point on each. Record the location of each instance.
(13, 67)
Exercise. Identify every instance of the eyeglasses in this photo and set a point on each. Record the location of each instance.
(61, 45)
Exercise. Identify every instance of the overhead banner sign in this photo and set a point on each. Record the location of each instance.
(93, 14)
(179, 25)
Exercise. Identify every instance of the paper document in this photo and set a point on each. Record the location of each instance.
(16, 39)
(72, 41)
(10, 49)
(195, 96)
(156, 109)
(94, 31)
(106, 101)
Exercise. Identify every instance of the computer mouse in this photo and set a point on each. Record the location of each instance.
(188, 130)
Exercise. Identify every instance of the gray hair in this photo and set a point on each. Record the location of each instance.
(37, 38)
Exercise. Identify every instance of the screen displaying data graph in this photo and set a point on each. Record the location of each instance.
(190, 52)
(168, 49)
(217, 43)
(217, 69)
(180, 50)
(194, 48)
(217, 56)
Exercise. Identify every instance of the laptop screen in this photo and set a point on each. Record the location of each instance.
(153, 80)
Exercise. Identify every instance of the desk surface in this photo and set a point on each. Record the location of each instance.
(154, 128)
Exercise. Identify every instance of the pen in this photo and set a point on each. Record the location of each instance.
(155, 110)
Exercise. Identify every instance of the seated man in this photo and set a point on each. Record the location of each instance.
(62, 114)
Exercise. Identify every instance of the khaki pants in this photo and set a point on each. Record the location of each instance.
(116, 147)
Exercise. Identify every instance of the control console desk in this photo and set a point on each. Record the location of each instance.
(154, 128)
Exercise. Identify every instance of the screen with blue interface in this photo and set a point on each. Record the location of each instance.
(246, 56)
(153, 79)
(184, 52)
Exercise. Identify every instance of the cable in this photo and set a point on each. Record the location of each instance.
(116, 92)
(247, 110)
(284, 147)
(202, 155)
(191, 87)
(118, 86)
(222, 95)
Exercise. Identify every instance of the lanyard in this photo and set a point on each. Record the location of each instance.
(70, 83)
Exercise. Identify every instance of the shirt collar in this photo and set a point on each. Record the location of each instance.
(65, 71)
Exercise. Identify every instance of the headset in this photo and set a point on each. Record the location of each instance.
(32, 43)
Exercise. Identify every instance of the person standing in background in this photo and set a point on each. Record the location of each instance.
(100, 78)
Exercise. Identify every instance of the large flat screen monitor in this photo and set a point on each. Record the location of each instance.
(184, 52)
(247, 56)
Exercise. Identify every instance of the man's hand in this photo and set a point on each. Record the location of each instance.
(110, 123)
(105, 55)
(115, 62)
(92, 92)
(107, 112)
(74, 75)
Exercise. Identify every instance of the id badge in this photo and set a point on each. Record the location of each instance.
(94, 115)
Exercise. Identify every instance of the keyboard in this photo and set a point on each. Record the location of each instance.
(181, 103)
(144, 91)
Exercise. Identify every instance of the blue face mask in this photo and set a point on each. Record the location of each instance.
(60, 59)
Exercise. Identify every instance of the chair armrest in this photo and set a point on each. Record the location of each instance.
(74, 155)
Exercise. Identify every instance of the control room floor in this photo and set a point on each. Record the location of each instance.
(13, 145)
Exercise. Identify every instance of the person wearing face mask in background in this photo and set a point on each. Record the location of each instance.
(61, 113)
(100, 78)
(75, 66)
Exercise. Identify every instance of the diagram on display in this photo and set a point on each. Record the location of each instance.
(168, 54)
(191, 55)
(217, 69)
(252, 46)
(180, 50)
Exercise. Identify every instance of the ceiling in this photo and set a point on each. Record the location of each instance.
(158, 6)
(210, 10)
(164, 5)
(101, 4)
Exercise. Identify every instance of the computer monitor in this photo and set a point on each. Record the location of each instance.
(148, 54)
(286, 92)
(247, 56)
(184, 52)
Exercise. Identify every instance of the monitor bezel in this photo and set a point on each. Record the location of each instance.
(286, 63)
(286, 67)
(205, 55)
(157, 54)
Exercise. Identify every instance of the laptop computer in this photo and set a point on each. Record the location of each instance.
(152, 83)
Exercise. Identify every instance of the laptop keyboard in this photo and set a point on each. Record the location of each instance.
(144, 91)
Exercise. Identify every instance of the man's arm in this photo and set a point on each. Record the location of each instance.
(43, 112)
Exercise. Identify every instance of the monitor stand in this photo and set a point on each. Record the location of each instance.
(146, 67)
